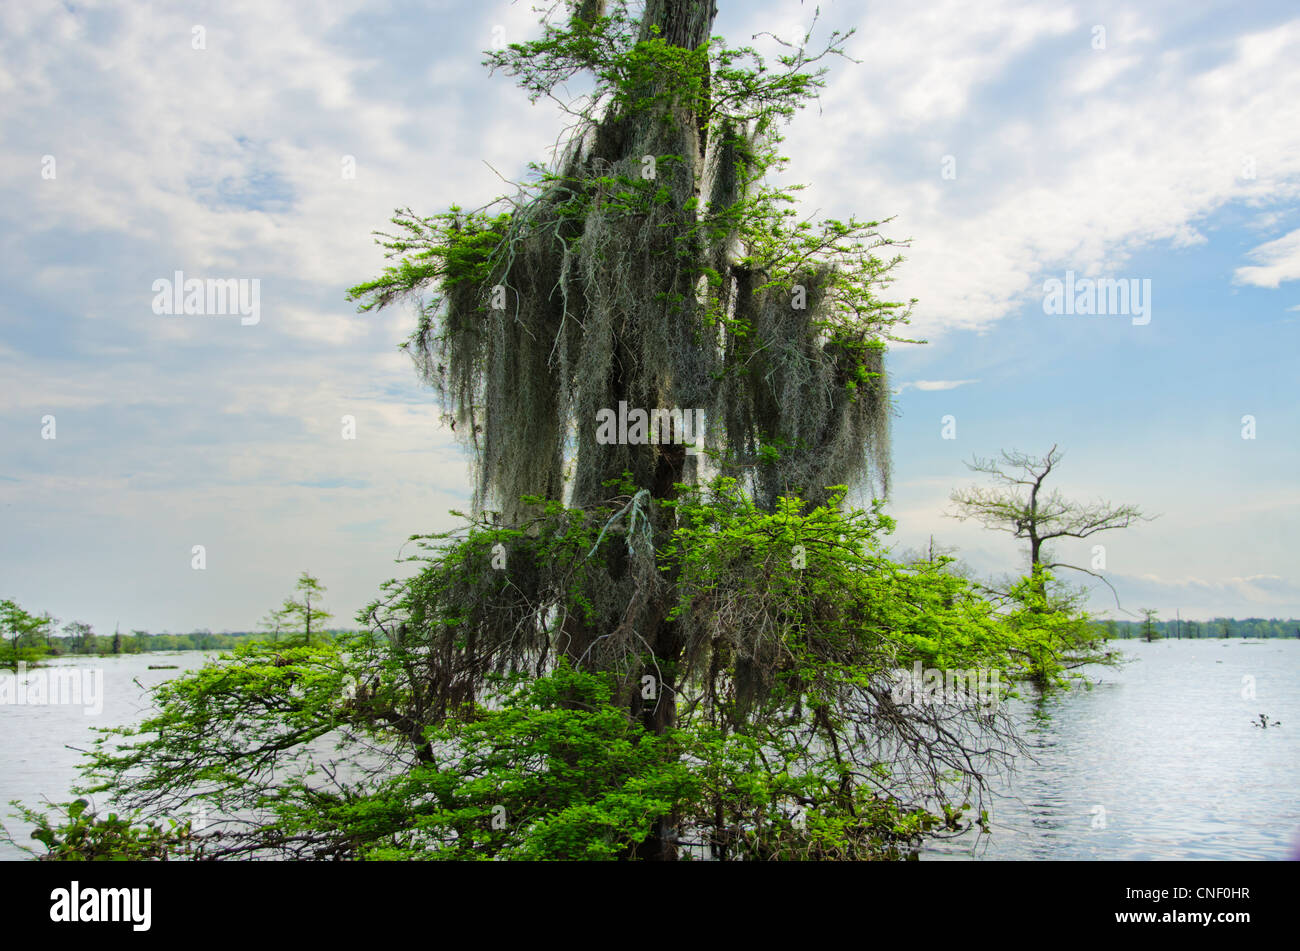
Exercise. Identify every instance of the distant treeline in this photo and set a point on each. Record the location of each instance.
(1254, 627)
(27, 637)
(142, 642)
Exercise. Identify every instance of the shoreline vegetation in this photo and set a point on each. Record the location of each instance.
(31, 637)
(145, 642)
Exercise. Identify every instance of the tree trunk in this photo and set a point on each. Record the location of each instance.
(687, 24)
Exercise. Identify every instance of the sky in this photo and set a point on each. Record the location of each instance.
(1011, 144)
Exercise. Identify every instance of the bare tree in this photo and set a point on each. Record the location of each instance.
(1021, 506)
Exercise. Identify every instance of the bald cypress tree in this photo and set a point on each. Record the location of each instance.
(652, 266)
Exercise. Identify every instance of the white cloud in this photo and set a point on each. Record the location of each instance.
(1095, 155)
(1261, 594)
(1279, 261)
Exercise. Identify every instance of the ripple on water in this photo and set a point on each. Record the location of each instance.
(1158, 761)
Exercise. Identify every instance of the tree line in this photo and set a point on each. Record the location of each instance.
(29, 637)
(1253, 627)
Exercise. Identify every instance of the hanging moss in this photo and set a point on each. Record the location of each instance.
(651, 265)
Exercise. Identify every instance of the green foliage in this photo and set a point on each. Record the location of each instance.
(300, 613)
(757, 802)
(809, 599)
(787, 741)
(1053, 636)
(451, 249)
(219, 730)
(83, 836)
(28, 634)
(636, 69)
(32, 636)
(556, 772)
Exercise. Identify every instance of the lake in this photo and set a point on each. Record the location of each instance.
(36, 761)
(1159, 760)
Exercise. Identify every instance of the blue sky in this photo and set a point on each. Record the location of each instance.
(1170, 154)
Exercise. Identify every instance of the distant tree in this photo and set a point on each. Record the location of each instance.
(117, 640)
(300, 610)
(17, 624)
(80, 636)
(1020, 506)
(274, 622)
(1149, 624)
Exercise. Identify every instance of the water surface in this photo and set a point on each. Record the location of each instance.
(1159, 760)
(39, 744)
